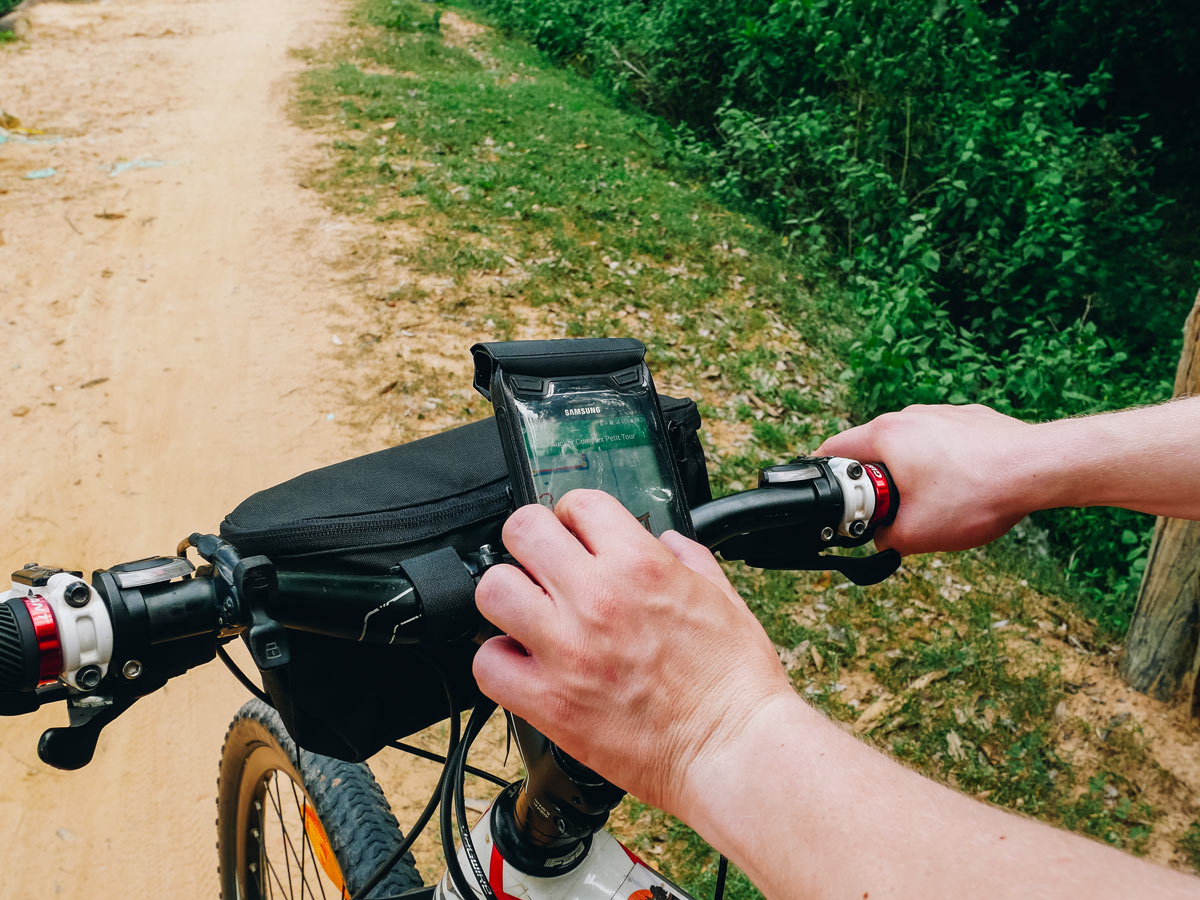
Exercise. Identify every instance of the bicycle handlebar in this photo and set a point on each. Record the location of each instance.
(138, 624)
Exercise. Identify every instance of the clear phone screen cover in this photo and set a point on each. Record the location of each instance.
(602, 439)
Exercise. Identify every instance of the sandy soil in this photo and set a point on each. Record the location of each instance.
(168, 301)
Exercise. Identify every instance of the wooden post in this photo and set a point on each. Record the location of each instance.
(1161, 648)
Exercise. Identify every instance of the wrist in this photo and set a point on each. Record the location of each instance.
(1068, 455)
(718, 787)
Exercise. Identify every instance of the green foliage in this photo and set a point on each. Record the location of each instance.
(7, 6)
(998, 240)
(1189, 845)
(1107, 811)
(546, 204)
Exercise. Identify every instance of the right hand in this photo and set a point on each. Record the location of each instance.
(635, 655)
(958, 469)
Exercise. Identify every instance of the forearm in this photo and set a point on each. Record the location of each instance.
(808, 811)
(1141, 459)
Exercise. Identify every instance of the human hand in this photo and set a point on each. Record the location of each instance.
(962, 473)
(635, 655)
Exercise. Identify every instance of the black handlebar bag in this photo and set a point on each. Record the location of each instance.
(367, 516)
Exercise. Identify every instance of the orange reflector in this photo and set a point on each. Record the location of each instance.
(322, 851)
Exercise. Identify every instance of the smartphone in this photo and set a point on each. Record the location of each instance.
(584, 414)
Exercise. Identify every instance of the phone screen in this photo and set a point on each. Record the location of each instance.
(603, 439)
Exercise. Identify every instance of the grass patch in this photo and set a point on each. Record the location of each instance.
(1189, 845)
(541, 198)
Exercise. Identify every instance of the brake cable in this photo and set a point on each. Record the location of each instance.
(452, 793)
(438, 758)
(242, 677)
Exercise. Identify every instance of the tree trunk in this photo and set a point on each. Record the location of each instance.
(1161, 648)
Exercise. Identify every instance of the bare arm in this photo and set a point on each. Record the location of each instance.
(967, 474)
(638, 658)
(809, 811)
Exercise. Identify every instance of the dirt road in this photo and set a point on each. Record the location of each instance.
(168, 301)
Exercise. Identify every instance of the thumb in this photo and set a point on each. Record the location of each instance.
(854, 443)
(700, 560)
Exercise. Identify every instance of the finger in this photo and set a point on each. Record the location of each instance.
(506, 672)
(698, 558)
(855, 443)
(514, 603)
(602, 524)
(883, 540)
(543, 545)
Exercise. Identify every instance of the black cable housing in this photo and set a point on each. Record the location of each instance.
(242, 677)
(454, 801)
(434, 757)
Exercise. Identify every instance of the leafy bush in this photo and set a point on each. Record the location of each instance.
(997, 241)
(7, 6)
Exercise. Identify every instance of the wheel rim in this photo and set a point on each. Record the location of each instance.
(284, 852)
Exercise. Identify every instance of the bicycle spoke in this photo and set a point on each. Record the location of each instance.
(261, 879)
(273, 792)
(270, 868)
(298, 871)
(306, 849)
(311, 852)
(303, 830)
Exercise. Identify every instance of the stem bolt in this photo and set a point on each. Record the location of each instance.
(77, 594)
(827, 533)
(857, 527)
(132, 669)
(854, 470)
(88, 677)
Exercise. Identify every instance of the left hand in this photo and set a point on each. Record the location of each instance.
(635, 655)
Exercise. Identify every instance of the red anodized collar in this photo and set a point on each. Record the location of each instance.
(45, 630)
(883, 493)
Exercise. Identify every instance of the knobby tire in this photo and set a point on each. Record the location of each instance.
(264, 785)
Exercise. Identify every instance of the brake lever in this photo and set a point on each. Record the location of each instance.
(72, 746)
(762, 553)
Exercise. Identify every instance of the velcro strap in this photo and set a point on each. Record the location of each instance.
(446, 591)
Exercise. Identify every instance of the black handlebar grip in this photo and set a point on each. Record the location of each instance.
(20, 657)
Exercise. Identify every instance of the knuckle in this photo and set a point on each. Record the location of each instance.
(606, 607)
(889, 422)
(524, 520)
(490, 588)
(647, 568)
(583, 502)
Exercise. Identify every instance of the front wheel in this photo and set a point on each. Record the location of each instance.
(294, 824)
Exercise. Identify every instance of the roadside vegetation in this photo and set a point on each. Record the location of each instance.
(980, 180)
(501, 196)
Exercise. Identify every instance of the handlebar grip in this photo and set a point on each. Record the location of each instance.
(20, 653)
(759, 510)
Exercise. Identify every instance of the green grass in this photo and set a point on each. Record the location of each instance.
(555, 213)
(1189, 845)
(527, 174)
